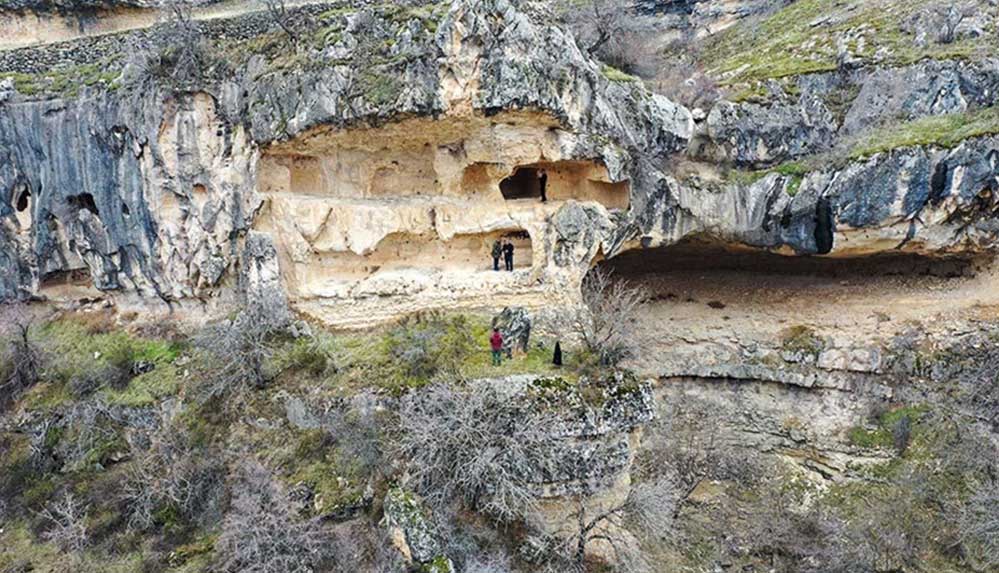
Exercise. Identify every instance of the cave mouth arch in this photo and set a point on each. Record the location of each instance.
(707, 255)
(525, 183)
(427, 254)
(83, 201)
(23, 201)
(708, 271)
(566, 180)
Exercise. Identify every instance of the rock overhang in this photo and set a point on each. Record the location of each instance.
(478, 68)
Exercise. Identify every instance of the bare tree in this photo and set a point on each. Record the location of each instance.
(356, 428)
(596, 22)
(980, 524)
(261, 534)
(21, 360)
(980, 375)
(607, 323)
(95, 426)
(240, 350)
(610, 31)
(685, 443)
(949, 17)
(176, 53)
(475, 445)
(646, 514)
(280, 15)
(66, 520)
(173, 474)
(901, 432)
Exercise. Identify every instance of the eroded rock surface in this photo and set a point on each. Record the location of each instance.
(385, 172)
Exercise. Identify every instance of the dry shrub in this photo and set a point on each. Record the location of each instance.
(261, 533)
(607, 323)
(175, 484)
(21, 358)
(474, 446)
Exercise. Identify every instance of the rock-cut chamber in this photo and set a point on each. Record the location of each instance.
(410, 211)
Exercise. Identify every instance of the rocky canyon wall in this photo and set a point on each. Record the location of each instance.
(380, 174)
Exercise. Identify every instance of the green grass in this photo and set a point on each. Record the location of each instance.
(802, 339)
(786, 43)
(364, 361)
(18, 546)
(942, 131)
(68, 81)
(149, 388)
(754, 92)
(880, 437)
(79, 347)
(793, 171)
(616, 75)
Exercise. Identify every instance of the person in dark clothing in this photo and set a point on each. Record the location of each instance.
(543, 183)
(496, 344)
(497, 253)
(508, 255)
(557, 359)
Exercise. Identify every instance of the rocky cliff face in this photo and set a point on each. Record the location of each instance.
(148, 191)
(817, 245)
(168, 183)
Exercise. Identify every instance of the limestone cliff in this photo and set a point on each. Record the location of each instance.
(814, 235)
(163, 185)
(406, 133)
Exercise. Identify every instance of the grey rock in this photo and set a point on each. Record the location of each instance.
(515, 326)
(924, 89)
(299, 415)
(861, 359)
(753, 134)
(406, 514)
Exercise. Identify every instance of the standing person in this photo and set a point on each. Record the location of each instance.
(557, 358)
(496, 344)
(508, 255)
(497, 253)
(543, 183)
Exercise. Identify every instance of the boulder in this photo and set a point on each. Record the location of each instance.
(515, 326)
(412, 533)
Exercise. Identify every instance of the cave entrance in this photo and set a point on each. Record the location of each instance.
(565, 180)
(722, 275)
(714, 302)
(23, 201)
(465, 253)
(83, 201)
(525, 183)
(705, 256)
(22, 205)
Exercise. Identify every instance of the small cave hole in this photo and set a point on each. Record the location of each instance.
(125, 210)
(525, 183)
(825, 227)
(83, 201)
(938, 183)
(23, 201)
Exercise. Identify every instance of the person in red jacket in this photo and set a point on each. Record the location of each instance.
(496, 343)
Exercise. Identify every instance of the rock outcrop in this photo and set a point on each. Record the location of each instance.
(417, 136)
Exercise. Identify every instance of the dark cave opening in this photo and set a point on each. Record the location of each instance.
(701, 257)
(525, 183)
(23, 201)
(83, 201)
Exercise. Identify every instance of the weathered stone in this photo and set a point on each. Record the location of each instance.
(851, 359)
(411, 531)
(515, 326)
(754, 135)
